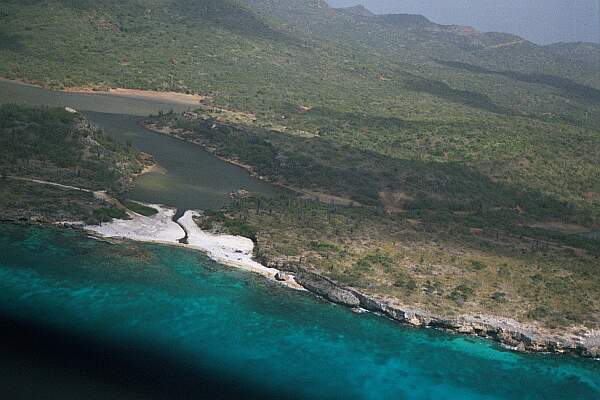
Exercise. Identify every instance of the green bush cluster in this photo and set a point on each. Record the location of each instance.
(461, 294)
(140, 208)
(106, 214)
(53, 144)
(230, 225)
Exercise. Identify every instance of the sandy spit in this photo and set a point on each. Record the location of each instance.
(233, 251)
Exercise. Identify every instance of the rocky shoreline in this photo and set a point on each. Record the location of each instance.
(510, 333)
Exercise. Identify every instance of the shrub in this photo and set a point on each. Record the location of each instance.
(107, 214)
(461, 293)
(478, 265)
(140, 208)
(538, 313)
(402, 280)
(322, 246)
(499, 297)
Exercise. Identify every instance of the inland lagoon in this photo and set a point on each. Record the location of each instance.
(187, 176)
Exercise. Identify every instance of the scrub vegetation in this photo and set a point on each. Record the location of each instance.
(449, 267)
(54, 145)
(140, 208)
(471, 160)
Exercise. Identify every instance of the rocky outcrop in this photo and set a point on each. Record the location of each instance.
(282, 276)
(327, 289)
(510, 333)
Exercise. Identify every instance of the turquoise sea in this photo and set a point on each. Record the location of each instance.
(252, 335)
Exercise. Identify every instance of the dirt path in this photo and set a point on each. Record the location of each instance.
(498, 46)
(99, 194)
(172, 97)
(42, 182)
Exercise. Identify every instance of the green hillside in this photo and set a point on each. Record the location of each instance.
(482, 142)
(56, 146)
(420, 96)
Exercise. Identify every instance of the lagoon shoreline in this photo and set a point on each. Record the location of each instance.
(325, 198)
(188, 99)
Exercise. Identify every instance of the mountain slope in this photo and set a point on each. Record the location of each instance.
(417, 44)
(583, 54)
(397, 87)
(178, 43)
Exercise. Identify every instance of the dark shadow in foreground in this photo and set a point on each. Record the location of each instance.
(37, 362)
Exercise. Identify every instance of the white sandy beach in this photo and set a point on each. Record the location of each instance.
(233, 251)
(158, 228)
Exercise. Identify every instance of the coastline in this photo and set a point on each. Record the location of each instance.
(161, 228)
(510, 333)
(236, 252)
(514, 335)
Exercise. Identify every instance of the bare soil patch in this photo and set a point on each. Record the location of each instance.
(175, 97)
(394, 201)
(560, 227)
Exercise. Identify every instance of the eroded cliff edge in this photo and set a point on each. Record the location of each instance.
(508, 332)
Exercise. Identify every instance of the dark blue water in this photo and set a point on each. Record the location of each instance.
(280, 341)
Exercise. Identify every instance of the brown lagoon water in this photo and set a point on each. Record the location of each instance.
(191, 178)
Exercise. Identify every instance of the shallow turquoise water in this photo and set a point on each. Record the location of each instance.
(239, 325)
